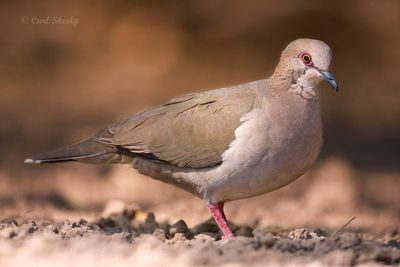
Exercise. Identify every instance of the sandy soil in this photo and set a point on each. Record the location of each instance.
(135, 238)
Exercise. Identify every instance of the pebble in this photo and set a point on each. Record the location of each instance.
(301, 233)
(160, 234)
(150, 224)
(178, 227)
(206, 236)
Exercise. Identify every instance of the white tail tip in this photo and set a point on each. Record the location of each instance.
(32, 161)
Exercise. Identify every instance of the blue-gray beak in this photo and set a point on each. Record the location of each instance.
(328, 76)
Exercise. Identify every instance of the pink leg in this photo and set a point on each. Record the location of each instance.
(217, 211)
(221, 208)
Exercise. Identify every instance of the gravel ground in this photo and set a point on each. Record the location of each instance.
(135, 237)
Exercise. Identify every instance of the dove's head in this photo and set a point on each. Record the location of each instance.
(306, 62)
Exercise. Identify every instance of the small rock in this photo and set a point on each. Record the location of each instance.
(178, 227)
(316, 236)
(150, 218)
(83, 222)
(32, 226)
(301, 233)
(150, 224)
(206, 236)
(320, 233)
(160, 234)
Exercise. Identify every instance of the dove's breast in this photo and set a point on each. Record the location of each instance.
(273, 146)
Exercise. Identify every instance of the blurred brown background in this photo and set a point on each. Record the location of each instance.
(61, 82)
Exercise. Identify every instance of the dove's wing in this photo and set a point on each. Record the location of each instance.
(190, 131)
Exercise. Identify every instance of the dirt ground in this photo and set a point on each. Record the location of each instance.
(124, 219)
(127, 240)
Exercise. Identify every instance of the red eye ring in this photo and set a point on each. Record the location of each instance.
(306, 58)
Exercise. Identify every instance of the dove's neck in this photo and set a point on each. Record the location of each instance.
(304, 88)
(301, 84)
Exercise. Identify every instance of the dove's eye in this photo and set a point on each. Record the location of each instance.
(306, 58)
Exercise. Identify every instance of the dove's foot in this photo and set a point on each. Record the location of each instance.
(217, 211)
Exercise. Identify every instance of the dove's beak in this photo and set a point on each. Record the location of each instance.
(328, 76)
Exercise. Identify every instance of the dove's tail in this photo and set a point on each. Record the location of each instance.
(87, 151)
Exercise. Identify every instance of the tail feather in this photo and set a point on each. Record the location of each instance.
(88, 151)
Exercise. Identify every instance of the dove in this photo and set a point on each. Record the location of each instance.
(225, 144)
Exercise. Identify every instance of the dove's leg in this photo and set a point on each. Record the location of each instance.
(217, 211)
(221, 208)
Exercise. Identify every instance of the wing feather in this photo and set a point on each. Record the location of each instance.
(191, 131)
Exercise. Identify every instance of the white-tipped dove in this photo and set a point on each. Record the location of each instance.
(224, 144)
